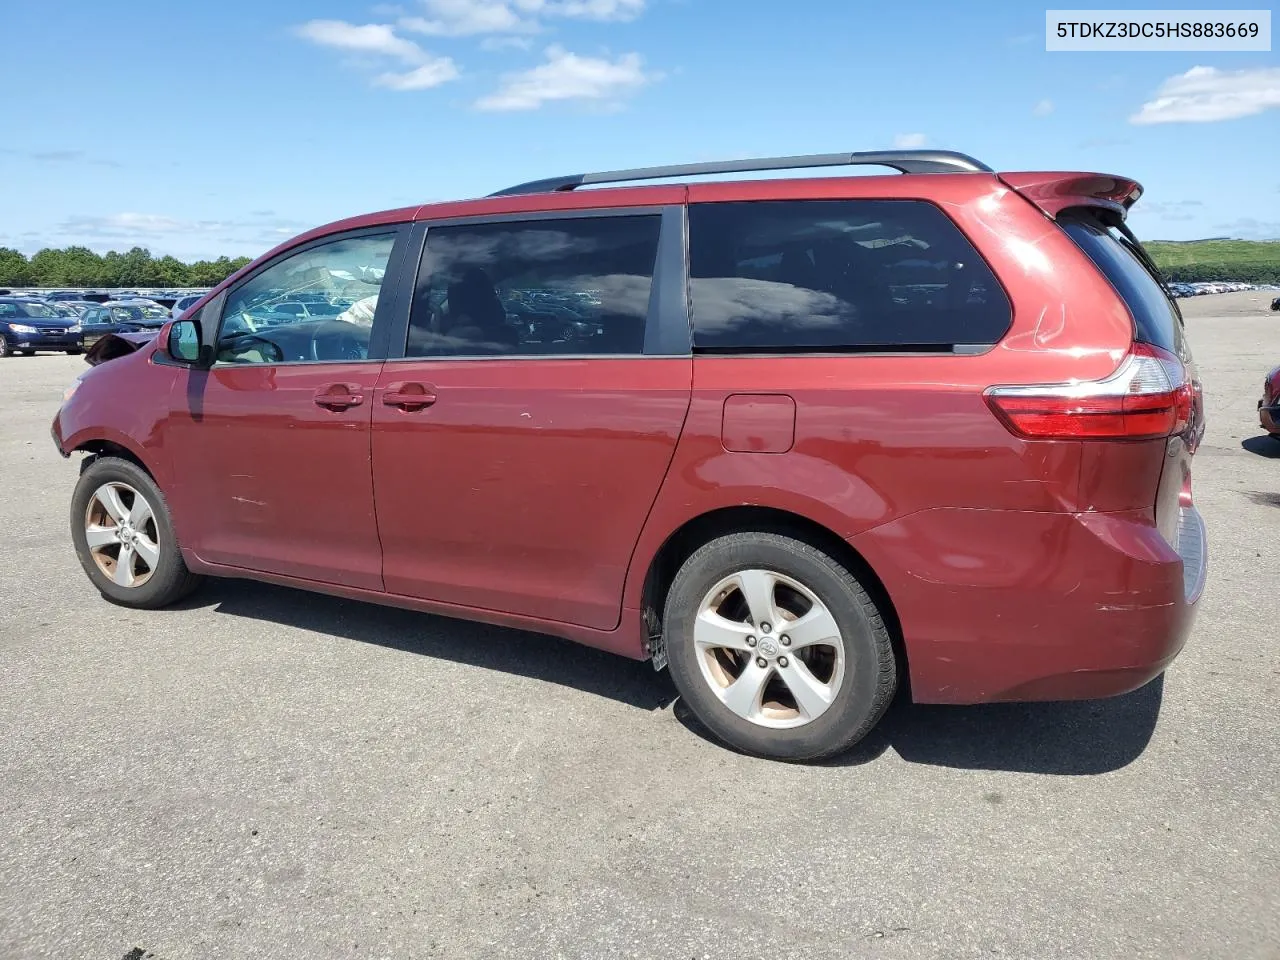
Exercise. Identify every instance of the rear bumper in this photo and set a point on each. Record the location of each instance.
(1014, 606)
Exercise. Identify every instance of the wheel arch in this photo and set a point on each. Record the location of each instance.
(104, 447)
(705, 527)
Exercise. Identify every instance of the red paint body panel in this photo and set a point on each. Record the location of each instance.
(271, 480)
(537, 493)
(524, 486)
(125, 402)
(1010, 605)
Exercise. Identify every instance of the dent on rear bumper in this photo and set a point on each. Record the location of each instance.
(1003, 605)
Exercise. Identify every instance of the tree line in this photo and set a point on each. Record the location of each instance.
(81, 267)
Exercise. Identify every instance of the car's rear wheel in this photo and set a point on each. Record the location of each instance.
(777, 648)
(124, 538)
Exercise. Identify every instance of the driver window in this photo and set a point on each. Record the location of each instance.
(264, 321)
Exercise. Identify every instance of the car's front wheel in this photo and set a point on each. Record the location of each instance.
(777, 648)
(124, 538)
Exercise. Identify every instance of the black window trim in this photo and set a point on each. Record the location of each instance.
(853, 350)
(384, 314)
(668, 332)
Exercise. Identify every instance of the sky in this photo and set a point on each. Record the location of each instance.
(199, 129)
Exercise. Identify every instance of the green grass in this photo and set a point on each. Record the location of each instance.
(1253, 261)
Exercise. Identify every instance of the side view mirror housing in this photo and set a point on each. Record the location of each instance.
(185, 345)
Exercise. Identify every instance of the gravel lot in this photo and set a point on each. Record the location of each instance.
(266, 773)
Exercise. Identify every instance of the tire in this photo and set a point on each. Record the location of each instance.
(4, 348)
(155, 585)
(856, 673)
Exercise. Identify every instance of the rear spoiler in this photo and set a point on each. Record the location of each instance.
(1055, 192)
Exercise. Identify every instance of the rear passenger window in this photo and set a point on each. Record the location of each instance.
(832, 275)
(535, 288)
(1154, 316)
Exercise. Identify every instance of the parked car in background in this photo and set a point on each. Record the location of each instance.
(183, 303)
(1269, 404)
(827, 434)
(1275, 304)
(29, 326)
(117, 316)
(64, 308)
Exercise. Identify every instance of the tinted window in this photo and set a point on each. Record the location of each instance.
(1154, 316)
(257, 326)
(560, 286)
(23, 308)
(831, 274)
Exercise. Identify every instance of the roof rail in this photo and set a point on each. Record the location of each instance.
(906, 161)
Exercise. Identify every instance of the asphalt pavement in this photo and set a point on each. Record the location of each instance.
(267, 773)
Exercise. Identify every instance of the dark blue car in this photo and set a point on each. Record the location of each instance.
(27, 325)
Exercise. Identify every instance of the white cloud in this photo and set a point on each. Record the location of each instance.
(461, 18)
(1172, 209)
(567, 76)
(1207, 94)
(432, 74)
(381, 40)
(464, 18)
(1042, 109)
(376, 38)
(910, 141)
(1251, 228)
(589, 9)
(492, 44)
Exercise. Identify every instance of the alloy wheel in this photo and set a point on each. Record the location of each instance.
(120, 530)
(769, 648)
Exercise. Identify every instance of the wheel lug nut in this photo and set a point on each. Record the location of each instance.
(766, 628)
(782, 661)
(751, 641)
(761, 662)
(786, 641)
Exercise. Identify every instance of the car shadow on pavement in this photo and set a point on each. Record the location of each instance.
(1064, 738)
(516, 652)
(1071, 738)
(1263, 446)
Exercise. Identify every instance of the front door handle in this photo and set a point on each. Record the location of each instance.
(339, 396)
(409, 396)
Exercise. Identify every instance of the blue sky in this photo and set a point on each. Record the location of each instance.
(200, 129)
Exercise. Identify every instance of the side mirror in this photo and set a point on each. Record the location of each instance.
(184, 344)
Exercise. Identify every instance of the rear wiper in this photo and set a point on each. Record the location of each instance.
(1134, 246)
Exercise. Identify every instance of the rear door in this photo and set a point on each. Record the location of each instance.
(515, 462)
(272, 443)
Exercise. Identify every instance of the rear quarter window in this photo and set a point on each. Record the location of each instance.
(833, 275)
(1155, 318)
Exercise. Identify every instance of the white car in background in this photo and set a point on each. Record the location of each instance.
(184, 303)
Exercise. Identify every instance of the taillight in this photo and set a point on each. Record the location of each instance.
(1148, 396)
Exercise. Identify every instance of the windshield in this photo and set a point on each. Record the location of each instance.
(153, 312)
(41, 311)
(126, 313)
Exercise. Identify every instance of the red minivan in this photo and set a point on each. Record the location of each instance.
(800, 440)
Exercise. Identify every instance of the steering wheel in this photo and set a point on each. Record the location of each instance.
(238, 350)
(331, 345)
